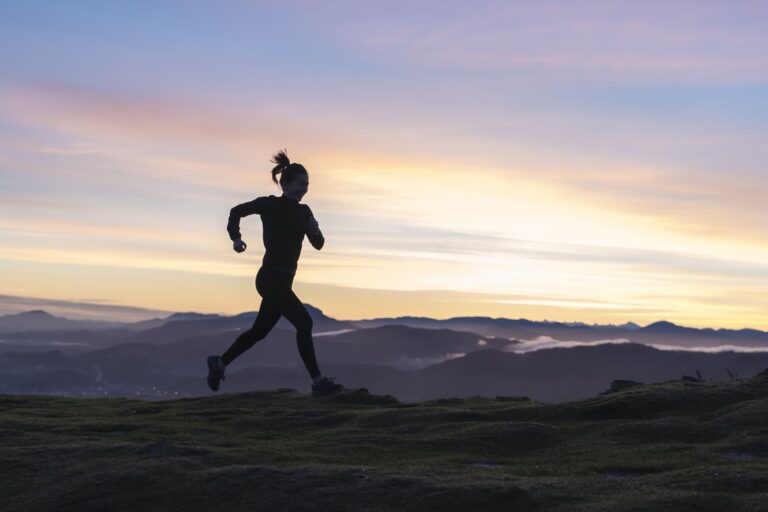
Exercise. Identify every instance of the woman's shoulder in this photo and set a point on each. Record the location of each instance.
(264, 203)
(306, 210)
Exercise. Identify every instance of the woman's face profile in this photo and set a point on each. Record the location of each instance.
(297, 188)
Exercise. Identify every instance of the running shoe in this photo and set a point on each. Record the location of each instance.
(326, 386)
(215, 373)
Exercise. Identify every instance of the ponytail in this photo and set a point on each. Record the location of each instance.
(287, 170)
(281, 159)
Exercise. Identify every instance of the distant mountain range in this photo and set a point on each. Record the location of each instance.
(34, 323)
(39, 320)
(658, 333)
(412, 358)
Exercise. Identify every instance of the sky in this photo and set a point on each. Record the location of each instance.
(590, 161)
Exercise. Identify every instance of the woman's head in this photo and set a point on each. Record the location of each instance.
(294, 179)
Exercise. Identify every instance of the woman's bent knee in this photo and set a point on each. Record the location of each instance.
(304, 325)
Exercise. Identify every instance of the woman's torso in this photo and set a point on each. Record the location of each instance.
(284, 224)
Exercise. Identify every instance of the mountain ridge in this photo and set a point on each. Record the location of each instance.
(317, 313)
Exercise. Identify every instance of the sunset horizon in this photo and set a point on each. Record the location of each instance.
(102, 311)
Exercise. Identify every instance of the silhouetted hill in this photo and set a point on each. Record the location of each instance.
(77, 335)
(186, 326)
(70, 340)
(572, 373)
(39, 320)
(152, 370)
(44, 372)
(400, 346)
(397, 346)
(664, 326)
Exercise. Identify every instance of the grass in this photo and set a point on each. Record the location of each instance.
(672, 446)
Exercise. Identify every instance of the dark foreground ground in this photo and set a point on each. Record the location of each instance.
(675, 446)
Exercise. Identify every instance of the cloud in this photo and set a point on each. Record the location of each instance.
(547, 342)
(703, 204)
(138, 149)
(712, 350)
(584, 40)
(572, 304)
(143, 116)
(416, 363)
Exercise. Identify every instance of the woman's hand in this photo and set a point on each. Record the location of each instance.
(239, 245)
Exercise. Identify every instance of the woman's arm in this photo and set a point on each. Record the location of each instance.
(237, 213)
(314, 234)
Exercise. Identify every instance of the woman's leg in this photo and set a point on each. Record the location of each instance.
(268, 316)
(292, 309)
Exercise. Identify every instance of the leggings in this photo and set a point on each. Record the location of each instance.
(277, 299)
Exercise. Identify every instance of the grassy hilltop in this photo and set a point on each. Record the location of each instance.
(674, 446)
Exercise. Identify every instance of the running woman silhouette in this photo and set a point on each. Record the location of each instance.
(285, 222)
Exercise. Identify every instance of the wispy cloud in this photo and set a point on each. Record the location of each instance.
(583, 40)
(683, 198)
(547, 342)
(712, 350)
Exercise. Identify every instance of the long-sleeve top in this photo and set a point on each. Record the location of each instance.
(285, 222)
